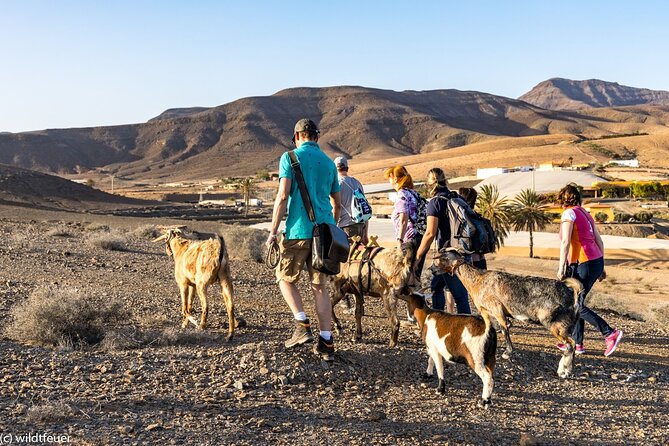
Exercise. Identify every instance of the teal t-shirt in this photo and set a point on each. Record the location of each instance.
(320, 176)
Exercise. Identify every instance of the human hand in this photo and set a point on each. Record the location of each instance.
(271, 239)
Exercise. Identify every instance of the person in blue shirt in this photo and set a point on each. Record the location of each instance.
(320, 178)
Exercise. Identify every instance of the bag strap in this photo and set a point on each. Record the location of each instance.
(295, 164)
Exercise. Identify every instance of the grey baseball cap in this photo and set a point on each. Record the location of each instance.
(341, 161)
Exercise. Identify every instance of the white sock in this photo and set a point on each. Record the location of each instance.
(327, 335)
(300, 316)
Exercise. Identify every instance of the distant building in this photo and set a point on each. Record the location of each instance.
(624, 163)
(488, 172)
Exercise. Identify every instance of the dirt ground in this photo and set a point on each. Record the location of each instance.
(254, 391)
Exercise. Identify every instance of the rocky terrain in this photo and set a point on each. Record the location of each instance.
(150, 383)
(567, 94)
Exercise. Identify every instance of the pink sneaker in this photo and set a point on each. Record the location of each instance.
(612, 342)
(579, 350)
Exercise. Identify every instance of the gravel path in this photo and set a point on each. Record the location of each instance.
(200, 390)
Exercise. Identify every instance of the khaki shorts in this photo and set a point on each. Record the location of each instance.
(295, 254)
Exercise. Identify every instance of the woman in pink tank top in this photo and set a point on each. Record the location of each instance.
(582, 257)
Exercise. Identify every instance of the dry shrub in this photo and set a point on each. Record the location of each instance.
(660, 314)
(244, 243)
(49, 412)
(58, 232)
(61, 317)
(146, 231)
(605, 302)
(94, 227)
(109, 242)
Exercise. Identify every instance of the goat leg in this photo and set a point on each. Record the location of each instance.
(226, 290)
(390, 302)
(567, 361)
(359, 311)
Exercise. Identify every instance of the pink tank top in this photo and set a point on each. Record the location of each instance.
(583, 246)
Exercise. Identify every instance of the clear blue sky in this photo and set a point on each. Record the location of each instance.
(87, 63)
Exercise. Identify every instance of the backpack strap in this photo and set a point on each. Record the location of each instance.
(295, 164)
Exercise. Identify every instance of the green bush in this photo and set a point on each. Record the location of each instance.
(601, 217)
(643, 217)
(622, 217)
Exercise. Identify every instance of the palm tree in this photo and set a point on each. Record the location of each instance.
(529, 214)
(496, 209)
(248, 187)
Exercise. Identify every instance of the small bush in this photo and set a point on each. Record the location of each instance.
(601, 217)
(643, 217)
(58, 232)
(49, 413)
(244, 243)
(146, 231)
(109, 242)
(93, 226)
(53, 317)
(622, 217)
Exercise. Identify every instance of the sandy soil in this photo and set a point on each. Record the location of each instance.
(254, 391)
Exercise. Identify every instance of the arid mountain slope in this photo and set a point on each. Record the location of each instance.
(567, 94)
(250, 134)
(34, 189)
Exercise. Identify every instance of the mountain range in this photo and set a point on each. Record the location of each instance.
(250, 134)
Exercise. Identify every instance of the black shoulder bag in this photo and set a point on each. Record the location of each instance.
(330, 245)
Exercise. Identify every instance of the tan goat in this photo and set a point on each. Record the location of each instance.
(378, 272)
(198, 264)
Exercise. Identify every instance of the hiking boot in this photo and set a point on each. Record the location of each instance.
(612, 342)
(301, 335)
(325, 349)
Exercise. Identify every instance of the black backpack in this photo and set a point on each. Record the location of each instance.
(470, 231)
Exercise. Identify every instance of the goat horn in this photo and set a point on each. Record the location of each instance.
(159, 239)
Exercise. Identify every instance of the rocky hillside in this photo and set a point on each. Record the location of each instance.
(33, 189)
(567, 94)
(250, 134)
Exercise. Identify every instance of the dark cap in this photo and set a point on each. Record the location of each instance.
(306, 125)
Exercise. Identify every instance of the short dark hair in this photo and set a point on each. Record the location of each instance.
(570, 195)
(469, 194)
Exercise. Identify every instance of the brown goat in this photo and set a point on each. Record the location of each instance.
(550, 302)
(198, 264)
(384, 273)
(457, 338)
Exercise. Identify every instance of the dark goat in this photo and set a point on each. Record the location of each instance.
(552, 303)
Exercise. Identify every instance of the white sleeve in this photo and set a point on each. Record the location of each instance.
(568, 215)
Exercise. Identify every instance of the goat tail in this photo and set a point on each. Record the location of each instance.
(221, 250)
(576, 286)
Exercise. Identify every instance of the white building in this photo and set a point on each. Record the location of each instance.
(624, 163)
(488, 172)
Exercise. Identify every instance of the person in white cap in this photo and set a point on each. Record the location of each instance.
(348, 185)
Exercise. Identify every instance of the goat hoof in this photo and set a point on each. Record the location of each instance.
(229, 338)
(240, 322)
(484, 404)
(358, 339)
(425, 377)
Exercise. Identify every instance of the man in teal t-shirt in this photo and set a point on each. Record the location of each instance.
(320, 177)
